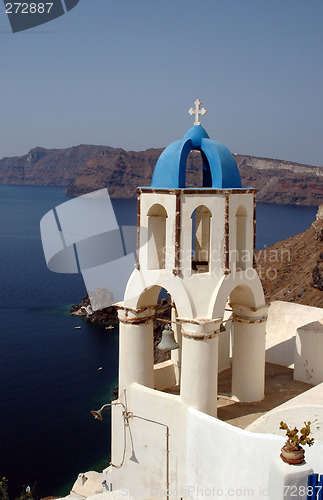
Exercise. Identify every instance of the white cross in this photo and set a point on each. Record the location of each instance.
(197, 111)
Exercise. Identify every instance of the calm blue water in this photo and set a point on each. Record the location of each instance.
(278, 222)
(48, 369)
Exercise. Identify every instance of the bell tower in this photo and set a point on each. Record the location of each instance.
(198, 244)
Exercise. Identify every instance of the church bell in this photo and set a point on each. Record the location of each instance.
(97, 414)
(168, 342)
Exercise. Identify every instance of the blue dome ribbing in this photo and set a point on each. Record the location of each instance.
(219, 166)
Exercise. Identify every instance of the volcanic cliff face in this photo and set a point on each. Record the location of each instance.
(121, 172)
(85, 168)
(49, 167)
(292, 270)
(280, 181)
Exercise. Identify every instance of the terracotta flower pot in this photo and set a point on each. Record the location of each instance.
(292, 457)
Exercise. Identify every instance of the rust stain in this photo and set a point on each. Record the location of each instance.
(136, 321)
(197, 191)
(137, 265)
(176, 270)
(122, 307)
(253, 309)
(254, 231)
(200, 337)
(198, 321)
(226, 233)
(242, 319)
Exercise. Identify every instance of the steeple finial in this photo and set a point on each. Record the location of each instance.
(197, 111)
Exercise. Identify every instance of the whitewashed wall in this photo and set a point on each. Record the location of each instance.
(207, 457)
(227, 458)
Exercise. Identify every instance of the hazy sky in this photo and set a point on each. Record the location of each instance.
(124, 73)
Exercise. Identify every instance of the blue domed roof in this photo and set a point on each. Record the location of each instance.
(219, 166)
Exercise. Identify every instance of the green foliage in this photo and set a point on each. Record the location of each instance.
(26, 494)
(296, 437)
(4, 489)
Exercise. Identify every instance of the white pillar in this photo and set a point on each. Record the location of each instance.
(248, 362)
(199, 377)
(136, 348)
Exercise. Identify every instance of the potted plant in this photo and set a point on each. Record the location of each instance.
(292, 451)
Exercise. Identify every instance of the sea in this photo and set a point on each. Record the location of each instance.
(53, 373)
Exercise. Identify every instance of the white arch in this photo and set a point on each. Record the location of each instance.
(248, 284)
(201, 239)
(248, 303)
(157, 216)
(141, 291)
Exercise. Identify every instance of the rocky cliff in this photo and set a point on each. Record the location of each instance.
(84, 168)
(281, 181)
(292, 270)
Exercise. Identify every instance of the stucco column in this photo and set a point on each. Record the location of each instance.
(248, 362)
(199, 377)
(136, 347)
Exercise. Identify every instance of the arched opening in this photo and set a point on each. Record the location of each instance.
(239, 295)
(241, 229)
(165, 365)
(157, 216)
(201, 238)
(241, 359)
(162, 318)
(197, 172)
(194, 169)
